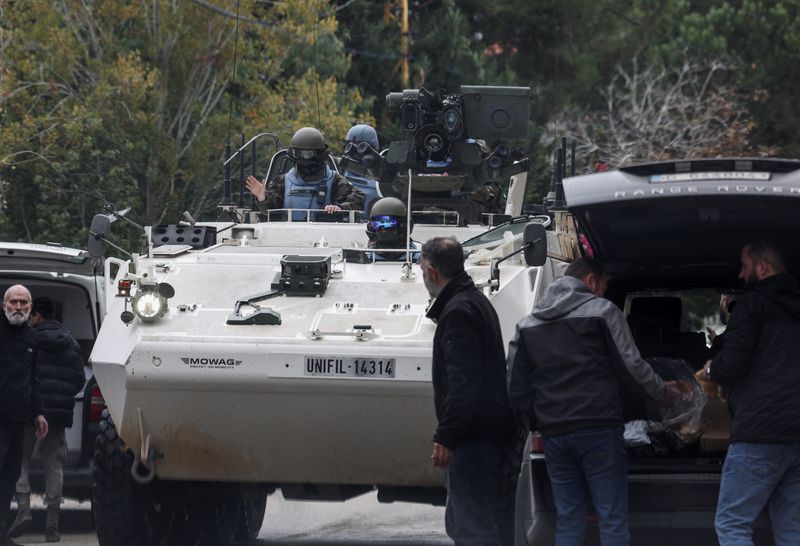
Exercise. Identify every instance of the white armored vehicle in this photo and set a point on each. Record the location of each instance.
(241, 357)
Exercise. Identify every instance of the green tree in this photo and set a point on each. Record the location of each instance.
(131, 103)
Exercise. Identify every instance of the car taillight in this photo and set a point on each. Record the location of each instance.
(96, 404)
(537, 443)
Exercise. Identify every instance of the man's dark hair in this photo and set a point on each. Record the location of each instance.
(584, 265)
(767, 251)
(445, 254)
(44, 307)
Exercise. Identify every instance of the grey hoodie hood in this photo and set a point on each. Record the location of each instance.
(561, 297)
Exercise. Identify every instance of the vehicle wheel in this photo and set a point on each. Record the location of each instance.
(193, 522)
(125, 513)
(228, 513)
(252, 516)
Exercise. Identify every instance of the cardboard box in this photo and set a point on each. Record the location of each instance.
(717, 435)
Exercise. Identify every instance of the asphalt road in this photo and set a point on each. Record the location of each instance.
(361, 521)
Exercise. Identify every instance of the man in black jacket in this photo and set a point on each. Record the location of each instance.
(759, 364)
(567, 363)
(20, 402)
(475, 426)
(61, 377)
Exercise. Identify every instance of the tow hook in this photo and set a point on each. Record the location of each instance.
(143, 473)
(143, 469)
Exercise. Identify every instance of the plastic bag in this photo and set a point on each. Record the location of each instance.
(682, 409)
(637, 433)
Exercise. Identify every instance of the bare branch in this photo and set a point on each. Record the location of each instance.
(655, 113)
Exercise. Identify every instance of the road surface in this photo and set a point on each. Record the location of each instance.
(361, 521)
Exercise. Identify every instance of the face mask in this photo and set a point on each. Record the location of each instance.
(361, 152)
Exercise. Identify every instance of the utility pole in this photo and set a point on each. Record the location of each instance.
(391, 14)
(404, 50)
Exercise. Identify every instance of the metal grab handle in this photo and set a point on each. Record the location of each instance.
(124, 267)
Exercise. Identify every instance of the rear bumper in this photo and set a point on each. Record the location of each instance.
(666, 508)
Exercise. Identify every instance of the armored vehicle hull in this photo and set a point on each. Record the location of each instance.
(328, 396)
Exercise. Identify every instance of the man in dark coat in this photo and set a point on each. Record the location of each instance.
(476, 425)
(760, 368)
(61, 377)
(20, 402)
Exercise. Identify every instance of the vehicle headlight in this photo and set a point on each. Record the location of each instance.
(148, 305)
(150, 301)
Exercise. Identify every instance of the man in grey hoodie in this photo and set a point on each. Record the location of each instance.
(566, 365)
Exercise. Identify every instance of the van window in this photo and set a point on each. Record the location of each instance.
(73, 308)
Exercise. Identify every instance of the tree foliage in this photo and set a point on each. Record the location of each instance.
(129, 103)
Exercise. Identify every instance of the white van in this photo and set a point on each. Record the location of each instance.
(68, 277)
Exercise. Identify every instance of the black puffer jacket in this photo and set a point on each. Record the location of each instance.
(19, 385)
(60, 368)
(469, 368)
(760, 362)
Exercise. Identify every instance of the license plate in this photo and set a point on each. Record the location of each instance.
(349, 366)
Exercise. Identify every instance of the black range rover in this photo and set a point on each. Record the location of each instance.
(669, 235)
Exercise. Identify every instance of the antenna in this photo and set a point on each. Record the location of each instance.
(241, 178)
(572, 158)
(226, 189)
(314, 61)
(408, 221)
(233, 76)
(253, 203)
(559, 198)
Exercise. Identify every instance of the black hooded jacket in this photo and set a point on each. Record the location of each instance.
(469, 368)
(60, 369)
(760, 362)
(19, 386)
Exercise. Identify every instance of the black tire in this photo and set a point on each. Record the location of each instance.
(252, 516)
(125, 513)
(228, 512)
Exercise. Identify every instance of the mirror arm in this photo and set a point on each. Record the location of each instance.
(494, 273)
(101, 237)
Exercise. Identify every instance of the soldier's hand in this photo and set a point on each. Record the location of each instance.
(332, 208)
(441, 456)
(256, 187)
(41, 426)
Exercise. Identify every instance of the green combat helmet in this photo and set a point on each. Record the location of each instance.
(308, 151)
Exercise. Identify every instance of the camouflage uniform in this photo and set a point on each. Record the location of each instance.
(343, 194)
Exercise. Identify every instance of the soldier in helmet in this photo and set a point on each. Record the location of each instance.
(310, 183)
(386, 228)
(361, 151)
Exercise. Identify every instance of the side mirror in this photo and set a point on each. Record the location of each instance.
(98, 231)
(534, 240)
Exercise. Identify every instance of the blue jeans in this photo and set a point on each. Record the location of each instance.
(754, 476)
(589, 463)
(473, 501)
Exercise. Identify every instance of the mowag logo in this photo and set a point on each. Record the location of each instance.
(210, 362)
